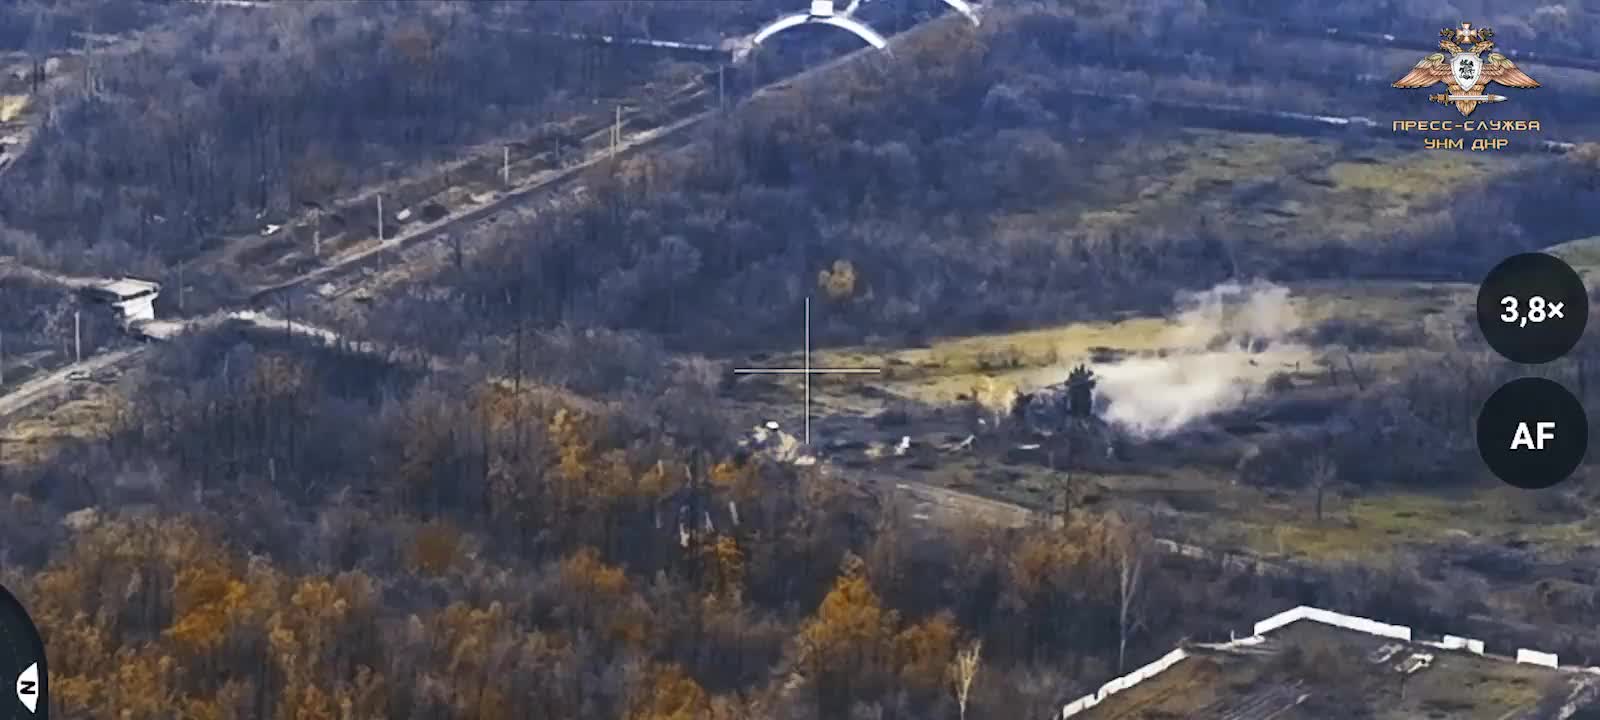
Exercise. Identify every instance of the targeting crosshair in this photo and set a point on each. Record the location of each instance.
(807, 371)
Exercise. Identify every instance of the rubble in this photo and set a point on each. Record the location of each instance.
(767, 439)
(1052, 408)
(1066, 411)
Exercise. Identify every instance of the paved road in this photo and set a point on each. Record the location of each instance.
(58, 382)
(432, 230)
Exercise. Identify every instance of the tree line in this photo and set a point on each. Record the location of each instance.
(278, 531)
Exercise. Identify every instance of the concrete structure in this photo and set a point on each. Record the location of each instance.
(134, 300)
(1386, 648)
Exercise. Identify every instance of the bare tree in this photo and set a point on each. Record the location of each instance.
(1130, 570)
(1322, 472)
(963, 670)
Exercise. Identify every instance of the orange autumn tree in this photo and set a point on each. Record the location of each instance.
(845, 648)
(204, 596)
(608, 603)
(669, 694)
(724, 569)
(469, 637)
(307, 638)
(923, 651)
(436, 548)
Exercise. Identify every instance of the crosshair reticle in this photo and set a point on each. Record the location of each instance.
(807, 371)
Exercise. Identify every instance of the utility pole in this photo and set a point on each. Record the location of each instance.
(181, 264)
(722, 102)
(616, 133)
(2, 358)
(505, 165)
(380, 218)
(316, 232)
(88, 64)
(77, 337)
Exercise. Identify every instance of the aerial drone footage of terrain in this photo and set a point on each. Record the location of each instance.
(798, 359)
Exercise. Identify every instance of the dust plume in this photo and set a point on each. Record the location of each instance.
(1223, 346)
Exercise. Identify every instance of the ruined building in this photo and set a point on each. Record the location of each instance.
(1052, 409)
(1064, 413)
(132, 300)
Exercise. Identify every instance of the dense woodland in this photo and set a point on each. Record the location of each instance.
(169, 140)
(558, 525)
(304, 533)
(889, 172)
(164, 145)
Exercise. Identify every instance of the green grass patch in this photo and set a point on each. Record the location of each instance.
(1373, 527)
(1288, 192)
(1582, 254)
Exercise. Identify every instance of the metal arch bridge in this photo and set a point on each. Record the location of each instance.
(822, 13)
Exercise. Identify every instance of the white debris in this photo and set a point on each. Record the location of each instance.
(271, 229)
(403, 215)
(1416, 663)
(774, 443)
(905, 444)
(80, 520)
(1383, 654)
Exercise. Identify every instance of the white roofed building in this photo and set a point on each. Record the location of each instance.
(133, 299)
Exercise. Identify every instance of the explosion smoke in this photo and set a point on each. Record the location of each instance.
(1224, 344)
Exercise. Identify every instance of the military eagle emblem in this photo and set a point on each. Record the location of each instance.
(1466, 71)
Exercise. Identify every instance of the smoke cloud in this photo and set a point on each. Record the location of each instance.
(1224, 344)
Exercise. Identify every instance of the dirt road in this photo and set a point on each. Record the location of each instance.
(59, 382)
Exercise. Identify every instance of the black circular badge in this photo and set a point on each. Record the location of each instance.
(22, 667)
(1532, 308)
(1532, 433)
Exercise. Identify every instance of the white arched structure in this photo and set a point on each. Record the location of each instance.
(856, 27)
(965, 8)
